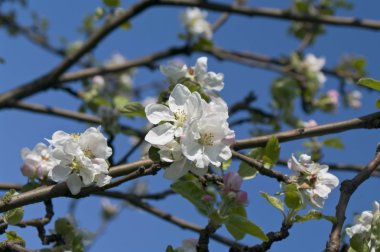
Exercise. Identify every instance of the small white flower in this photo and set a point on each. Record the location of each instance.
(354, 99)
(183, 107)
(314, 181)
(315, 65)
(83, 159)
(207, 141)
(37, 162)
(188, 245)
(363, 221)
(209, 81)
(195, 23)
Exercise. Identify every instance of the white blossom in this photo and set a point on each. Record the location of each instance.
(183, 107)
(83, 159)
(209, 81)
(207, 141)
(37, 162)
(195, 23)
(354, 99)
(315, 183)
(363, 221)
(315, 65)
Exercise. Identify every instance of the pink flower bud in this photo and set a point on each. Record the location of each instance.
(242, 197)
(207, 198)
(310, 123)
(232, 182)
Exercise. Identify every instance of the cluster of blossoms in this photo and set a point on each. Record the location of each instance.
(329, 102)
(191, 133)
(78, 159)
(195, 23)
(314, 181)
(367, 227)
(209, 81)
(188, 245)
(313, 67)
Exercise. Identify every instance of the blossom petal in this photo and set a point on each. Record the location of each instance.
(200, 67)
(74, 184)
(158, 112)
(178, 97)
(177, 169)
(160, 135)
(59, 173)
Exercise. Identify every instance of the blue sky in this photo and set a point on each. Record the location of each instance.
(155, 30)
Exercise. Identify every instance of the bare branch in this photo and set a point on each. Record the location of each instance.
(347, 188)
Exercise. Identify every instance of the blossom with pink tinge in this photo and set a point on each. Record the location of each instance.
(354, 99)
(232, 182)
(309, 124)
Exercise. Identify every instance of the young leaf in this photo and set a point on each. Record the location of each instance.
(274, 201)
(226, 164)
(14, 216)
(13, 236)
(120, 102)
(245, 170)
(335, 142)
(133, 109)
(293, 200)
(192, 192)
(359, 243)
(153, 154)
(272, 151)
(371, 83)
(112, 3)
(378, 104)
(234, 231)
(244, 225)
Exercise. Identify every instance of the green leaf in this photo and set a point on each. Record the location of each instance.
(226, 165)
(14, 216)
(112, 3)
(293, 200)
(153, 154)
(245, 170)
(311, 215)
(101, 102)
(274, 201)
(243, 225)
(335, 142)
(169, 248)
(359, 243)
(13, 236)
(272, 151)
(133, 109)
(371, 83)
(234, 231)
(193, 192)
(120, 102)
(378, 104)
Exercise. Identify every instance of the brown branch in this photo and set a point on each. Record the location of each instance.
(14, 246)
(166, 216)
(261, 168)
(50, 79)
(29, 34)
(340, 167)
(347, 188)
(370, 121)
(204, 237)
(69, 114)
(277, 14)
(43, 193)
(272, 237)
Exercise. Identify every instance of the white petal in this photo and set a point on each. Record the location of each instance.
(178, 97)
(177, 169)
(213, 81)
(160, 135)
(158, 112)
(328, 179)
(60, 173)
(201, 68)
(87, 175)
(74, 184)
(102, 179)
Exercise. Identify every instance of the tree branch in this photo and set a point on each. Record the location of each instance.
(347, 188)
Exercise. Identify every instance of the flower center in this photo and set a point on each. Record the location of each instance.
(75, 136)
(181, 117)
(191, 71)
(88, 153)
(206, 139)
(75, 166)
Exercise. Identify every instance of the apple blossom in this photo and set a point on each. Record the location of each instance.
(195, 23)
(83, 159)
(209, 81)
(183, 107)
(188, 245)
(354, 99)
(309, 124)
(37, 162)
(232, 183)
(314, 182)
(207, 141)
(314, 65)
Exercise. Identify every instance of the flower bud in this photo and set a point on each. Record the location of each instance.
(232, 182)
